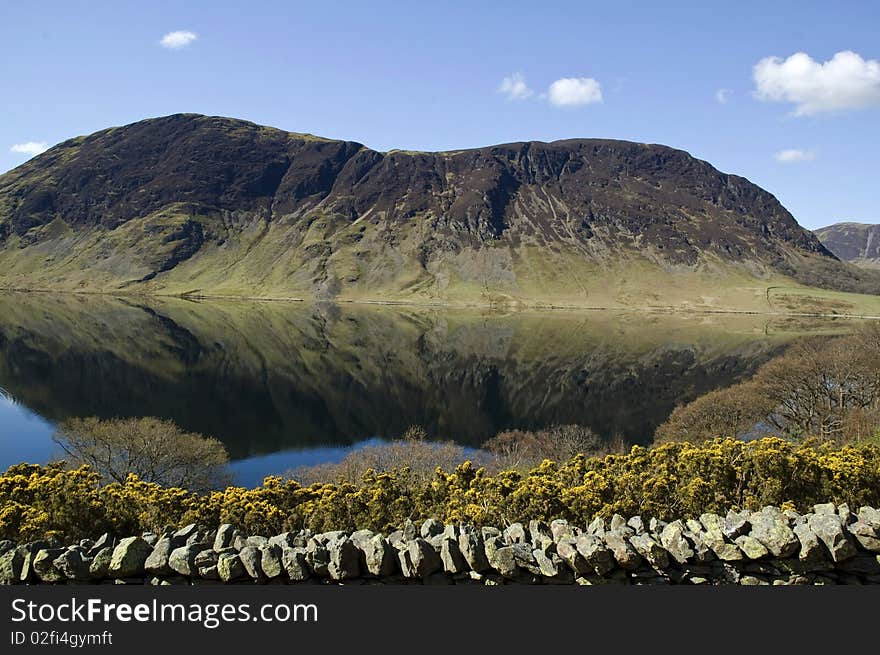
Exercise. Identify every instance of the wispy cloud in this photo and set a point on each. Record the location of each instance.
(574, 92)
(177, 40)
(794, 156)
(722, 96)
(846, 81)
(30, 148)
(515, 87)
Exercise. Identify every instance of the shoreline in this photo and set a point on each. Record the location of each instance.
(507, 307)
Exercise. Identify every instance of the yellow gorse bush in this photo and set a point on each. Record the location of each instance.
(672, 480)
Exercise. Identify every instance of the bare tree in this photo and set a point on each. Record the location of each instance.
(732, 412)
(823, 388)
(155, 450)
(520, 449)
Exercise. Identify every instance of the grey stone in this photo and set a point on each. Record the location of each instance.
(184, 535)
(825, 508)
(345, 559)
(100, 566)
(396, 540)
(205, 559)
(11, 563)
(224, 536)
(870, 516)
(637, 524)
(648, 548)
(318, 558)
(270, 560)
(567, 549)
(735, 524)
(182, 559)
(560, 528)
(712, 523)
(257, 541)
(619, 524)
(405, 562)
(525, 558)
(410, 531)
(229, 567)
(487, 532)
(129, 557)
(723, 550)
(540, 534)
(209, 572)
(655, 526)
(251, 559)
(73, 565)
(545, 564)
(625, 555)
(450, 555)
(829, 528)
(752, 580)
(295, 563)
(515, 533)
(596, 554)
(44, 567)
(423, 559)
(771, 529)
(597, 527)
(503, 560)
(673, 539)
(811, 550)
(101, 543)
(157, 561)
(702, 552)
(379, 557)
(753, 548)
(866, 535)
(150, 537)
(470, 543)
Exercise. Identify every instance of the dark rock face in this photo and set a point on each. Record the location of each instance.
(853, 242)
(161, 192)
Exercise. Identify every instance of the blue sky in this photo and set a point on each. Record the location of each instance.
(426, 76)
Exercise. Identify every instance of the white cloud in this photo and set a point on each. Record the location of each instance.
(515, 87)
(793, 156)
(722, 96)
(177, 40)
(574, 91)
(30, 148)
(846, 81)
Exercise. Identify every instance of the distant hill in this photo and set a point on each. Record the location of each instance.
(858, 243)
(216, 206)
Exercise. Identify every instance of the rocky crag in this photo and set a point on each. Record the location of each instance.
(190, 204)
(858, 243)
(829, 545)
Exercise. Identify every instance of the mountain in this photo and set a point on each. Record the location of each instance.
(191, 204)
(858, 243)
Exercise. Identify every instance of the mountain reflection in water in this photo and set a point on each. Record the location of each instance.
(266, 377)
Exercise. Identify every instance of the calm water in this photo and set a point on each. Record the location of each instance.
(289, 384)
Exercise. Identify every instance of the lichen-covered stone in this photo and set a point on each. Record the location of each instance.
(129, 557)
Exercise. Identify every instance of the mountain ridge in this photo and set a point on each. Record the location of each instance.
(851, 241)
(217, 206)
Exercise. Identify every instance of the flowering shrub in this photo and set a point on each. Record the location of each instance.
(672, 480)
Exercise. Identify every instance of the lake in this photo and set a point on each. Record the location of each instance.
(290, 384)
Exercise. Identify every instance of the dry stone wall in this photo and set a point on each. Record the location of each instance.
(829, 545)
